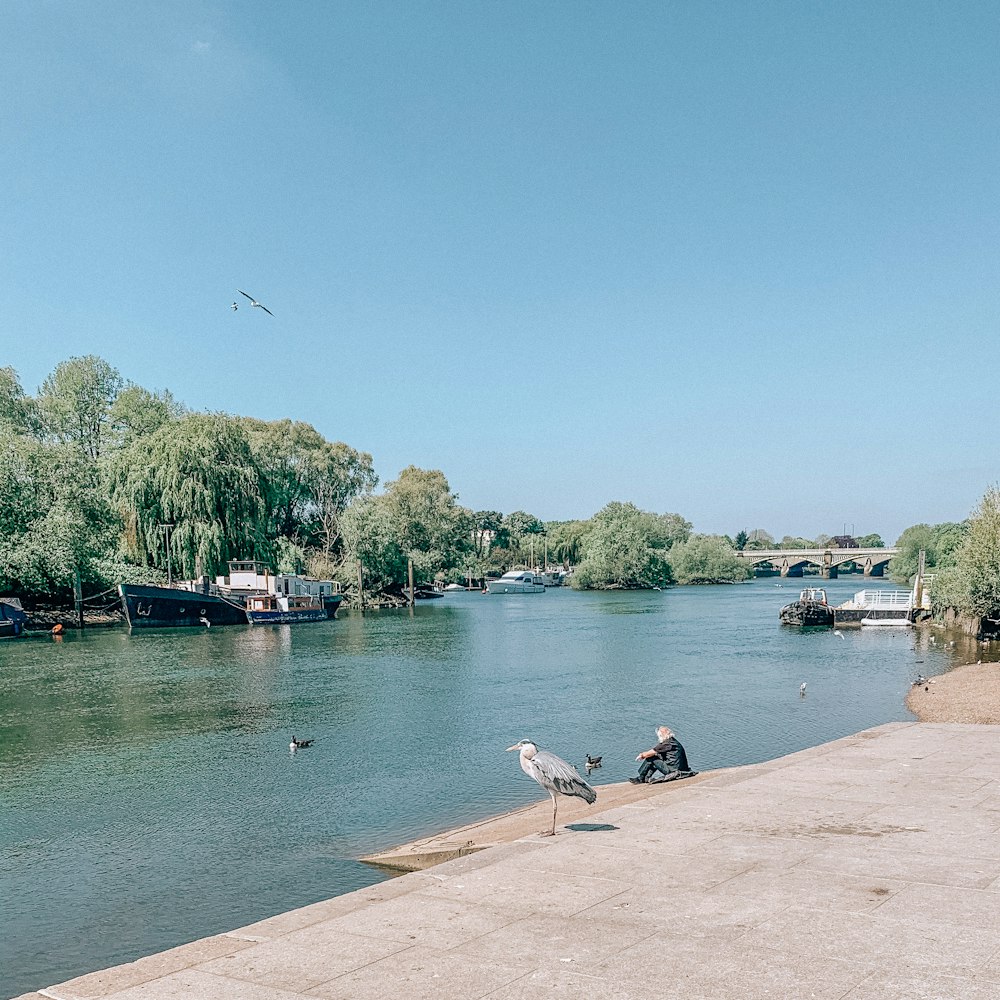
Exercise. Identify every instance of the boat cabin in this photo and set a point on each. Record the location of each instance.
(817, 594)
(246, 574)
(273, 602)
(249, 576)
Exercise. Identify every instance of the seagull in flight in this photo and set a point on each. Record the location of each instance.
(254, 302)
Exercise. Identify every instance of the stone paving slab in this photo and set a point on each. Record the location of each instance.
(864, 869)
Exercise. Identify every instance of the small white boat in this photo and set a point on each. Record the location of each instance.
(516, 581)
(887, 622)
(452, 587)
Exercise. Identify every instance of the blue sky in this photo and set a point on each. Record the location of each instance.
(738, 261)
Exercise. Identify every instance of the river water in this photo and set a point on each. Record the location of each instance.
(148, 796)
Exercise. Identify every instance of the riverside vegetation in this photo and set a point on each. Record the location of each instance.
(92, 467)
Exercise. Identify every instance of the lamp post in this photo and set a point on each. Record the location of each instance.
(165, 528)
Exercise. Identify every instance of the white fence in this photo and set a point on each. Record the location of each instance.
(881, 600)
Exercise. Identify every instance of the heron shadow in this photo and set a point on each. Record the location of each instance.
(590, 827)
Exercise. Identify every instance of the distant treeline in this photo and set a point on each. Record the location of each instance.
(92, 468)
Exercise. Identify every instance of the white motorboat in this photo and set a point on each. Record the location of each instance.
(516, 581)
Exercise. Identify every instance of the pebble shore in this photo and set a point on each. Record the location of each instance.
(969, 694)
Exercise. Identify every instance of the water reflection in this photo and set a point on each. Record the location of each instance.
(146, 783)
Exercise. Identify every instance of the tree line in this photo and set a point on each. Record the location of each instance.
(92, 467)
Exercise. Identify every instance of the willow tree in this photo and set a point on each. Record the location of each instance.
(198, 474)
(308, 481)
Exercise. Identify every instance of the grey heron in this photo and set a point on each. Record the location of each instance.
(299, 744)
(254, 302)
(554, 775)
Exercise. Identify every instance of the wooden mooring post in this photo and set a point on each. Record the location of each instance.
(78, 596)
(409, 573)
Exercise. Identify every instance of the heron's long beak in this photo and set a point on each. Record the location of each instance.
(516, 746)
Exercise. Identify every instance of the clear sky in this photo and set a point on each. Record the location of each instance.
(734, 260)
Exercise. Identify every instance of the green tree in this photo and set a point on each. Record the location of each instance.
(75, 403)
(707, 559)
(54, 518)
(17, 411)
(971, 584)
(794, 542)
(199, 474)
(137, 412)
(566, 540)
(741, 539)
(418, 518)
(759, 540)
(940, 543)
(872, 541)
(625, 548)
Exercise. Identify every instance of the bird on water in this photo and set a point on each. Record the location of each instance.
(593, 762)
(802, 689)
(299, 744)
(554, 775)
(254, 302)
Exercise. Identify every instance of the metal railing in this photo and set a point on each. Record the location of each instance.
(883, 600)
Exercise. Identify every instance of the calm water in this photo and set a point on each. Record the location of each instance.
(147, 795)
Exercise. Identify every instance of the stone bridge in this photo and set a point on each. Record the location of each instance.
(791, 562)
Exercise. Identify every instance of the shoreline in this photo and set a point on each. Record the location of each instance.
(846, 869)
(965, 694)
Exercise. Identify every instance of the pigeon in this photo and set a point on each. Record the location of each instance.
(254, 302)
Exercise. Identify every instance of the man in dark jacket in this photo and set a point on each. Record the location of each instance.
(667, 757)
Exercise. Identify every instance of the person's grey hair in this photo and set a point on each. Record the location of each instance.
(664, 731)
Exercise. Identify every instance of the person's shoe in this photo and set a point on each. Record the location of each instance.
(635, 781)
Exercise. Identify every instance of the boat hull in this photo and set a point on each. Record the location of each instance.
(502, 587)
(288, 617)
(806, 614)
(168, 607)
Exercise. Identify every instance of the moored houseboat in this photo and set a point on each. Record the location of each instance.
(811, 610)
(175, 607)
(227, 601)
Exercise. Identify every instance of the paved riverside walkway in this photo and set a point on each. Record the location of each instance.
(863, 869)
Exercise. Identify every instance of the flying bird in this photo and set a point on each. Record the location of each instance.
(299, 744)
(234, 307)
(554, 775)
(254, 302)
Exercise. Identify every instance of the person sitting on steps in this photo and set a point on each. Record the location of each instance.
(667, 757)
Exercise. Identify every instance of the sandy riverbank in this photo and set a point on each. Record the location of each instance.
(969, 694)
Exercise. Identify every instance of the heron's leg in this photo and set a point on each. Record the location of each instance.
(552, 832)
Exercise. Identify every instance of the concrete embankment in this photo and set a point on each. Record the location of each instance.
(863, 869)
(574, 814)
